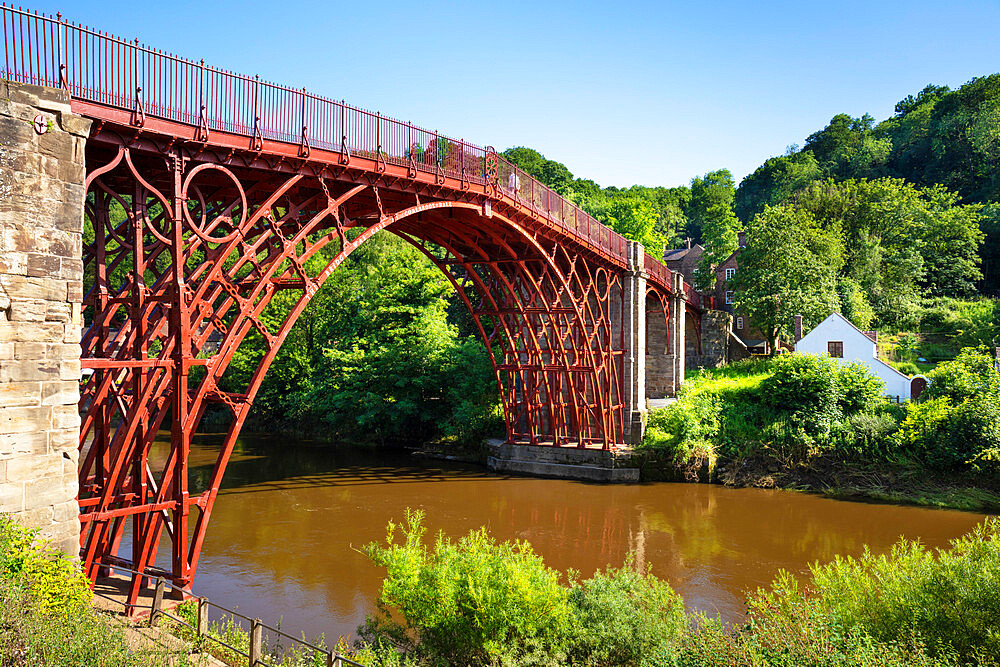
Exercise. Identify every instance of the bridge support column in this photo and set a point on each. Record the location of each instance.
(634, 352)
(677, 336)
(42, 173)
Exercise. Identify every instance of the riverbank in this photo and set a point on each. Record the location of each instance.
(833, 478)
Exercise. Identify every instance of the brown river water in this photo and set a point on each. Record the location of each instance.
(284, 533)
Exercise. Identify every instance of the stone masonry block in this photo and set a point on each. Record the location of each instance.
(64, 440)
(64, 392)
(44, 265)
(76, 126)
(11, 497)
(65, 416)
(69, 369)
(25, 419)
(25, 350)
(36, 287)
(33, 370)
(18, 444)
(28, 468)
(41, 492)
(44, 332)
(20, 394)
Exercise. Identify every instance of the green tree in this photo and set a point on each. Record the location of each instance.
(715, 189)
(636, 219)
(789, 266)
(719, 236)
(775, 181)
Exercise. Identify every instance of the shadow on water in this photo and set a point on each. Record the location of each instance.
(286, 528)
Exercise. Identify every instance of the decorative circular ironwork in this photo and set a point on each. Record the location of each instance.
(206, 228)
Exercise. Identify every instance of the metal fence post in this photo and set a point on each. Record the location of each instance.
(157, 600)
(255, 635)
(63, 83)
(202, 617)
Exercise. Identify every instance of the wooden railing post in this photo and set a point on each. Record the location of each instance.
(157, 600)
(202, 617)
(255, 636)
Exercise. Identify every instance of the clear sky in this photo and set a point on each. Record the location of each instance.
(621, 92)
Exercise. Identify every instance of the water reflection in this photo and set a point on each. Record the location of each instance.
(285, 529)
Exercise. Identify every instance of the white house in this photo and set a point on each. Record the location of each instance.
(846, 343)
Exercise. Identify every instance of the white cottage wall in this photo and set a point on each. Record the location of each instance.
(857, 347)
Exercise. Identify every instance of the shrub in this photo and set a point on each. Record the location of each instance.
(624, 617)
(475, 601)
(947, 598)
(54, 581)
(971, 375)
(907, 368)
(868, 435)
(942, 433)
(44, 615)
(685, 427)
(858, 389)
(802, 383)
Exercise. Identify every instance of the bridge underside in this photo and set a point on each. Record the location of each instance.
(191, 247)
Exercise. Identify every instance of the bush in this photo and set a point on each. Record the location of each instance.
(971, 375)
(907, 368)
(947, 598)
(859, 390)
(868, 435)
(684, 428)
(53, 581)
(475, 601)
(45, 618)
(624, 617)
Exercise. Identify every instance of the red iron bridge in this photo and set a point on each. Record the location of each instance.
(209, 193)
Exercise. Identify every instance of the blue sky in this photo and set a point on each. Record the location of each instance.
(621, 92)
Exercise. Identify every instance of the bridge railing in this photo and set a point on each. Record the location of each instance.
(100, 68)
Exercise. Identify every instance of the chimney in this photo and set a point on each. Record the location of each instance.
(689, 242)
(798, 328)
(741, 238)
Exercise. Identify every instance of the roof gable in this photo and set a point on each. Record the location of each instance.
(835, 323)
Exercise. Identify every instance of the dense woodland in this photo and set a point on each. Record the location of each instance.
(894, 223)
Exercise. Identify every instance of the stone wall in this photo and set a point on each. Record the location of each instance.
(659, 360)
(716, 332)
(41, 283)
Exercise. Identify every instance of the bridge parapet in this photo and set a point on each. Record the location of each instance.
(142, 87)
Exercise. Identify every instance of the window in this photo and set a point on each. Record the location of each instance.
(729, 296)
(730, 273)
(739, 323)
(836, 348)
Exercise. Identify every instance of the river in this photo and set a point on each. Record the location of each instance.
(284, 533)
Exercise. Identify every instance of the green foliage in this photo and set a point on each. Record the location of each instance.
(909, 608)
(473, 601)
(54, 581)
(946, 597)
(854, 304)
(712, 196)
(397, 360)
(45, 616)
(625, 617)
(858, 390)
(774, 182)
(790, 407)
(788, 267)
(972, 374)
(957, 423)
(636, 219)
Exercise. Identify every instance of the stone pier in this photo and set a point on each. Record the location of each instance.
(42, 172)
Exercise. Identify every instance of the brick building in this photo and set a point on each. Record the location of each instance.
(685, 261)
